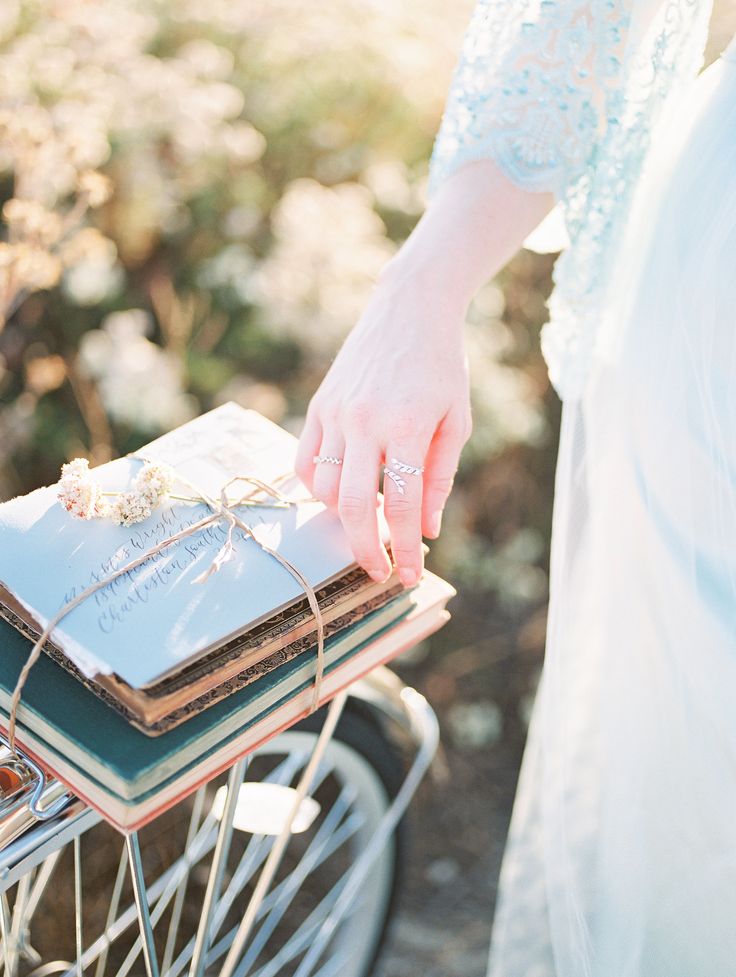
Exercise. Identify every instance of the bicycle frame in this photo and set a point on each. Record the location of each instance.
(389, 700)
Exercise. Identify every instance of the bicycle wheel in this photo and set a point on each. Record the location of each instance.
(359, 775)
(369, 759)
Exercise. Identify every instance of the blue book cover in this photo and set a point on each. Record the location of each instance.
(59, 710)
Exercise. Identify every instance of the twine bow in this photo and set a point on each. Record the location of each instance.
(221, 508)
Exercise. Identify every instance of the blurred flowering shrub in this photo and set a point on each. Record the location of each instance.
(196, 200)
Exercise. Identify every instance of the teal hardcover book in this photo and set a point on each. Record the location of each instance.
(59, 710)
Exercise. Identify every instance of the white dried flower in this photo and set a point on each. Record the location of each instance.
(154, 481)
(76, 468)
(84, 498)
(79, 495)
(129, 508)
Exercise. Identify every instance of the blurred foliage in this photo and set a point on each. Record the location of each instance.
(196, 201)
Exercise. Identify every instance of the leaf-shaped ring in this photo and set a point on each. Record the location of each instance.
(401, 466)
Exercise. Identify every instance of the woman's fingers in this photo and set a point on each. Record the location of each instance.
(402, 495)
(328, 471)
(358, 502)
(309, 442)
(413, 499)
(443, 458)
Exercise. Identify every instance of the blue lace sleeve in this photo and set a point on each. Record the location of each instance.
(564, 95)
(535, 86)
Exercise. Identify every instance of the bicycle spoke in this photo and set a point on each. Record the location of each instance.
(117, 892)
(334, 966)
(268, 871)
(361, 868)
(300, 938)
(19, 909)
(5, 933)
(173, 931)
(203, 844)
(329, 838)
(219, 859)
(256, 852)
(303, 938)
(141, 899)
(78, 901)
(284, 894)
(343, 834)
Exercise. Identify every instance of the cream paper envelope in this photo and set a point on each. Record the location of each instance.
(153, 620)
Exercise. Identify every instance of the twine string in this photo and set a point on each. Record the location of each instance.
(221, 508)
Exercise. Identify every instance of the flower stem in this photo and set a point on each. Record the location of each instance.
(188, 498)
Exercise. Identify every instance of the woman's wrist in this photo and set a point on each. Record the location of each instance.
(476, 222)
(428, 275)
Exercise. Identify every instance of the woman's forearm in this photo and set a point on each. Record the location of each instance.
(475, 223)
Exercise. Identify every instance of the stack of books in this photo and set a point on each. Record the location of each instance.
(165, 675)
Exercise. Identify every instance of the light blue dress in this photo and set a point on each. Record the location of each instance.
(564, 95)
(621, 856)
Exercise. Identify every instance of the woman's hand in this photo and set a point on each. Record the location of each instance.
(398, 388)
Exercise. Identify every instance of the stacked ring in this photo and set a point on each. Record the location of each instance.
(403, 468)
(330, 459)
(399, 468)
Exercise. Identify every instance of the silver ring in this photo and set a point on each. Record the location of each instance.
(330, 459)
(401, 468)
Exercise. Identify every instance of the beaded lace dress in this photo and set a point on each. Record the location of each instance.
(564, 95)
(621, 854)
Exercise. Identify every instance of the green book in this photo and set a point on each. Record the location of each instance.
(59, 711)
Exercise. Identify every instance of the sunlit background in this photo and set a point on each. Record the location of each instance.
(197, 196)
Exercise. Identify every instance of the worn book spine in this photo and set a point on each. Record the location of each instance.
(134, 812)
(274, 633)
(168, 712)
(396, 607)
(268, 635)
(275, 643)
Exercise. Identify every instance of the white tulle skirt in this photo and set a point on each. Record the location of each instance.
(621, 857)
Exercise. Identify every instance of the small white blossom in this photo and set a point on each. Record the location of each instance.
(76, 468)
(84, 499)
(129, 508)
(154, 481)
(79, 495)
